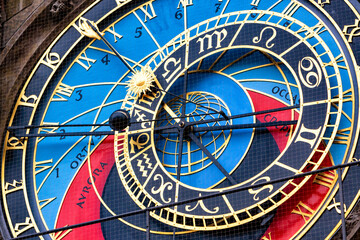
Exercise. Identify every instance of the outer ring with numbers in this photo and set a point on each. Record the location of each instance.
(283, 52)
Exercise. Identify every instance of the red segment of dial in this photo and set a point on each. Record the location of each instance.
(280, 133)
(81, 203)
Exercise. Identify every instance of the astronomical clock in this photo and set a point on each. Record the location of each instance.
(188, 119)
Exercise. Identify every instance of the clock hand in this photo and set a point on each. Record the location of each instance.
(235, 126)
(245, 115)
(211, 157)
(92, 31)
(156, 129)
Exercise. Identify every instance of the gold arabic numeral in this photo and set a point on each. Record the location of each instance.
(149, 11)
(28, 101)
(343, 136)
(163, 186)
(337, 206)
(62, 93)
(84, 61)
(61, 234)
(291, 9)
(304, 211)
(43, 203)
(219, 37)
(141, 117)
(116, 35)
(185, 3)
(23, 227)
(13, 187)
(148, 99)
(325, 179)
(352, 31)
(312, 79)
(51, 60)
(203, 207)
(15, 143)
(255, 3)
(259, 38)
(140, 142)
(42, 166)
(257, 191)
(267, 236)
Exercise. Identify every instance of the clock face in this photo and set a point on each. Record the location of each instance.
(205, 98)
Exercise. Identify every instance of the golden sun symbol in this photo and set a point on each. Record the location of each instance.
(141, 81)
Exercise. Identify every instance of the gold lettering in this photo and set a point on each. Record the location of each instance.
(28, 101)
(13, 187)
(23, 227)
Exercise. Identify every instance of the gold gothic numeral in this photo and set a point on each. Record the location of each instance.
(325, 179)
(203, 207)
(28, 101)
(23, 227)
(352, 31)
(62, 92)
(51, 60)
(13, 187)
(15, 143)
(42, 165)
(323, 2)
(303, 210)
